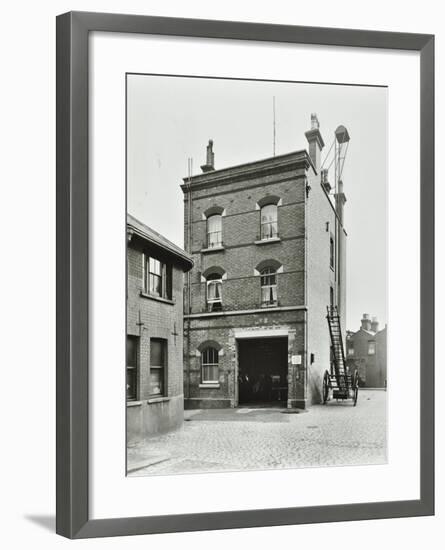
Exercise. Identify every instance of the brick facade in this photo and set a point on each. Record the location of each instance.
(300, 254)
(151, 317)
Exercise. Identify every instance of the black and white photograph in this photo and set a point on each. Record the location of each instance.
(256, 275)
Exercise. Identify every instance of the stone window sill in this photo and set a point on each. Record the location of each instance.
(213, 249)
(209, 385)
(158, 400)
(157, 298)
(134, 403)
(268, 241)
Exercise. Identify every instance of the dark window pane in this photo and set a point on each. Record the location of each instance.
(132, 351)
(168, 282)
(157, 352)
(131, 383)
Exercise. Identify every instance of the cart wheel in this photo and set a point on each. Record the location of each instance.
(355, 387)
(326, 385)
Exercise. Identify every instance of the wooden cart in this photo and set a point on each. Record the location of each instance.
(338, 383)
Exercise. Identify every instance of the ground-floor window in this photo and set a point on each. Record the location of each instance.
(158, 366)
(209, 365)
(132, 367)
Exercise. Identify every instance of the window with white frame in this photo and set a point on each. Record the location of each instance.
(209, 366)
(157, 280)
(214, 292)
(371, 347)
(269, 222)
(268, 286)
(214, 231)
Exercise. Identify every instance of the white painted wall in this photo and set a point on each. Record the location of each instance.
(27, 277)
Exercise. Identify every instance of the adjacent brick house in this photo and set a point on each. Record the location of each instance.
(155, 273)
(366, 351)
(268, 245)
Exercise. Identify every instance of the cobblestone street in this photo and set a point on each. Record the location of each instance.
(254, 439)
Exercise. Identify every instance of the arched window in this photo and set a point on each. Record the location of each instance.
(269, 286)
(214, 292)
(214, 231)
(269, 222)
(209, 365)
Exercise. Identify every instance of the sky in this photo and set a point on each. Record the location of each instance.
(171, 119)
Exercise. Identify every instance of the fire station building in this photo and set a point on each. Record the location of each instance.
(268, 247)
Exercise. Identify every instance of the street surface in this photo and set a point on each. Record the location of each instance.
(336, 434)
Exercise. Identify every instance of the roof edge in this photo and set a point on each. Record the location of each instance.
(151, 236)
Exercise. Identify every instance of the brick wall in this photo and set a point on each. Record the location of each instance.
(149, 318)
(320, 277)
(223, 330)
(240, 230)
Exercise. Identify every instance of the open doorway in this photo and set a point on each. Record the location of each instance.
(262, 372)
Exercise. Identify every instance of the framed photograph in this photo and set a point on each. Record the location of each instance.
(245, 288)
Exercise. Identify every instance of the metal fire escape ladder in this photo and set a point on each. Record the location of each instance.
(338, 355)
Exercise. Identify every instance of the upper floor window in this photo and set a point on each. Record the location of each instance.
(371, 348)
(269, 222)
(351, 348)
(214, 231)
(331, 252)
(214, 292)
(157, 280)
(268, 286)
(209, 365)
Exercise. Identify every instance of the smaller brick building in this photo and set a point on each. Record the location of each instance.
(154, 364)
(366, 351)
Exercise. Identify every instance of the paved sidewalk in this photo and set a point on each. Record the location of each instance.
(257, 439)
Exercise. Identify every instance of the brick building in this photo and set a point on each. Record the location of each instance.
(366, 351)
(155, 280)
(268, 245)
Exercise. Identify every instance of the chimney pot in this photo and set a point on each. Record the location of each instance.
(366, 322)
(374, 324)
(210, 158)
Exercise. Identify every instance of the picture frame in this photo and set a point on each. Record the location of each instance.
(72, 317)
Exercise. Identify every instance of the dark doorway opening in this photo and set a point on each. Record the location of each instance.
(262, 371)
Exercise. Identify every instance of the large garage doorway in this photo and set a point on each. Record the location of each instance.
(262, 371)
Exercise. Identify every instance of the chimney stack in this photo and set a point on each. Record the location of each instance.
(374, 325)
(315, 141)
(366, 322)
(210, 160)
